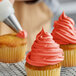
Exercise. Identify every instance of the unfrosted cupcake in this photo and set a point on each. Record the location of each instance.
(45, 57)
(64, 34)
(12, 48)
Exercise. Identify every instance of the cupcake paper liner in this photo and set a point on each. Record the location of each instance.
(53, 72)
(69, 58)
(12, 54)
(69, 55)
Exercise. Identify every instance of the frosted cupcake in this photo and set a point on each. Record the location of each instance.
(64, 34)
(12, 48)
(45, 57)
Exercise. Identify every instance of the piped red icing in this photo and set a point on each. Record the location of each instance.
(64, 31)
(45, 51)
(22, 34)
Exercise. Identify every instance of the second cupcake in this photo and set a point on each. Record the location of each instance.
(45, 57)
(64, 34)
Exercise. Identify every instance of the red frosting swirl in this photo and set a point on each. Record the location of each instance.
(64, 30)
(22, 34)
(45, 51)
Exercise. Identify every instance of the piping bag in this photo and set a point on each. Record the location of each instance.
(8, 17)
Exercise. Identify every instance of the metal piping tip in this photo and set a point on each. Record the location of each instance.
(13, 23)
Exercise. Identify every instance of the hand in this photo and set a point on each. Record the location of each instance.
(12, 1)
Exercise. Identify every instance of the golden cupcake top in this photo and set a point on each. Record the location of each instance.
(11, 40)
(48, 67)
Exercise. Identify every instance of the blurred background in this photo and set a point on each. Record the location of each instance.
(57, 6)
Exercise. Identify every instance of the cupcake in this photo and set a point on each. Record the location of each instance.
(45, 57)
(12, 48)
(64, 34)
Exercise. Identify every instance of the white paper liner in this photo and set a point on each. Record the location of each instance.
(53, 72)
(69, 58)
(12, 54)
